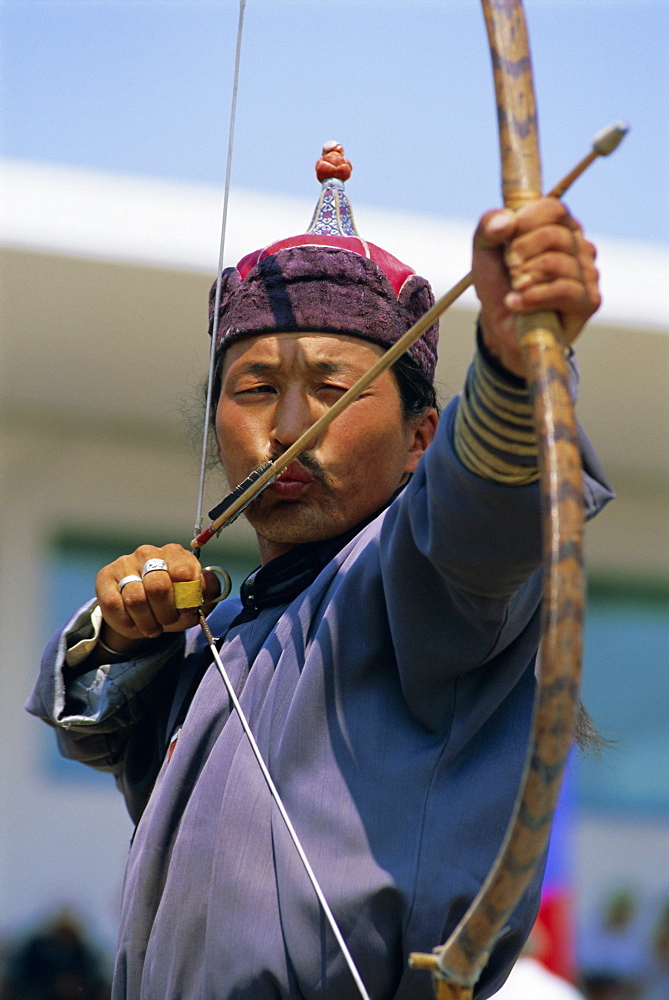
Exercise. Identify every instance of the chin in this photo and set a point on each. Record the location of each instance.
(294, 524)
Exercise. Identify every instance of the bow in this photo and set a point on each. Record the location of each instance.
(457, 965)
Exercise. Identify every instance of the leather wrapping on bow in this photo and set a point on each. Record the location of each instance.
(457, 965)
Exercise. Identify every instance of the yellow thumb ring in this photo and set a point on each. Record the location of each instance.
(187, 595)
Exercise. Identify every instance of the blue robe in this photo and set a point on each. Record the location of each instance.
(391, 700)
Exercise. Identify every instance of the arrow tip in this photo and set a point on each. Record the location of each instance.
(609, 138)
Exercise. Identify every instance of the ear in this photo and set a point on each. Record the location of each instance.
(420, 432)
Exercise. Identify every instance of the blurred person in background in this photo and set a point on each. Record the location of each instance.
(658, 983)
(55, 963)
(613, 959)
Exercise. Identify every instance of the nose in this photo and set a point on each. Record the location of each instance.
(293, 415)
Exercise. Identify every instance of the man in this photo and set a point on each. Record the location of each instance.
(384, 651)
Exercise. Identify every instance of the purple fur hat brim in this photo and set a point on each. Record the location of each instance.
(324, 289)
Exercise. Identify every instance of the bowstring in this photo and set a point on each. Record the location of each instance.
(274, 792)
(219, 273)
(198, 528)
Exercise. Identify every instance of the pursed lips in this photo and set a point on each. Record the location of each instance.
(292, 481)
(295, 472)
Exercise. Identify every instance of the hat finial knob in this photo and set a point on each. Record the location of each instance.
(333, 163)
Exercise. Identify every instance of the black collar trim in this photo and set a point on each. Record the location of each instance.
(283, 579)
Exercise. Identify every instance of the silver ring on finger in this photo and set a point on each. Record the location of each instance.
(132, 578)
(153, 565)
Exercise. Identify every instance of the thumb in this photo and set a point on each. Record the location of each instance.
(212, 583)
(494, 229)
(491, 277)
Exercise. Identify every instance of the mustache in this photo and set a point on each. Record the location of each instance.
(311, 464)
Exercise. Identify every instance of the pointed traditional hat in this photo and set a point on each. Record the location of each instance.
(328, 280)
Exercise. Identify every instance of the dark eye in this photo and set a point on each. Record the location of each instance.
(256, 390)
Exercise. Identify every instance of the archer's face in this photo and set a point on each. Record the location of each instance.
(274, 386)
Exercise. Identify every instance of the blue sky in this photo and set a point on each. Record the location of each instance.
(143, 87)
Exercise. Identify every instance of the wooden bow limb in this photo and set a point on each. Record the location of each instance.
(457, 965)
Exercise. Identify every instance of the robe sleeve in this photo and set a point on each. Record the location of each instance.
(461, 563)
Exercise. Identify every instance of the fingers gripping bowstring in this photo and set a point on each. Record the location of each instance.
(198, 528)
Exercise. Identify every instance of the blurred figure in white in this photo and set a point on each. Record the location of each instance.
(530, 980)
